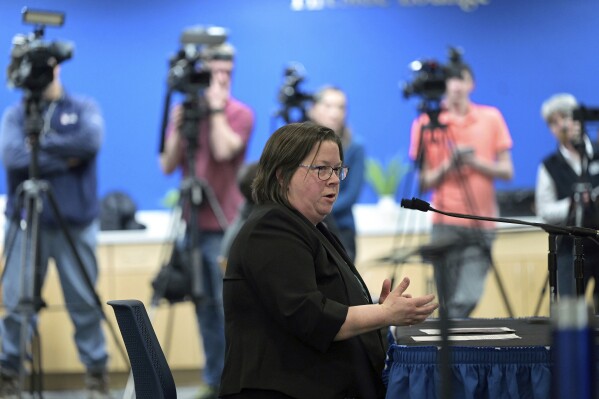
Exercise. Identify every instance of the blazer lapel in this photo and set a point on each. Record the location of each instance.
(356, 289)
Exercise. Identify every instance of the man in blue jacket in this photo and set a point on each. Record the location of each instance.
(68, 140)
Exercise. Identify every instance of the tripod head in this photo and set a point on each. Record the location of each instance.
(195, 110)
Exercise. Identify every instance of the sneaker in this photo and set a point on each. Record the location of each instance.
(9, 384)
(96, 385)
(207, 392)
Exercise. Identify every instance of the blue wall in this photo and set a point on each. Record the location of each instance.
(521, 51)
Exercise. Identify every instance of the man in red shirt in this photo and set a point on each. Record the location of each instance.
(220, 146)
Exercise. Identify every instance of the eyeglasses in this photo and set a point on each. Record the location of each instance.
(325, 172)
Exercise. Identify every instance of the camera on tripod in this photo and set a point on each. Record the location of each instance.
(291, 96)
(431, 75)
(188, 73)
(32, 58)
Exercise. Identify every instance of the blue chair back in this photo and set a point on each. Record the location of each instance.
(151, 373)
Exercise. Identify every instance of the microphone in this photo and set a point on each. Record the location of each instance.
(423, 206)
(415, 203)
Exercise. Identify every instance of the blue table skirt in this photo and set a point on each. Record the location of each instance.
(412, 372)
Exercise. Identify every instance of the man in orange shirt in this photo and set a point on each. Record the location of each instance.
(459, 161)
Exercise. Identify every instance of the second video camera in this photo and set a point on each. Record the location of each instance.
(32, 58)
(431, 75)
(292, 97)
(188, 73)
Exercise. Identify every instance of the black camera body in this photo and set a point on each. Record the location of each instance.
(188, 73)
(429, 81)
(291, 96)
(33, 59)
(583, 114)
(431, 75)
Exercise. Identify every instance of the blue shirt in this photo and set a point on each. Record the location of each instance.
(68, 145)
(351, 187)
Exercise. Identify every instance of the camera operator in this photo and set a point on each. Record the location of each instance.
(459, 162)
(222, 140)
(69, 142)
(560, 178)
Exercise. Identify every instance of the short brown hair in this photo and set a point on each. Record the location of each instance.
(283, 153)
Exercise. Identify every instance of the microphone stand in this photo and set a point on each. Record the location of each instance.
(580, 188)
(552, 265)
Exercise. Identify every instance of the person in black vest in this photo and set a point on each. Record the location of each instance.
(567, 182)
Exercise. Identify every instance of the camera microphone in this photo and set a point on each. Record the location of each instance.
(210, 36)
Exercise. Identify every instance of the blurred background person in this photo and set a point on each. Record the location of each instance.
(330, 109)
(567, 182)
(68, 145)
(300, 322)
(459, 163)
(222, 140)
(245, 177)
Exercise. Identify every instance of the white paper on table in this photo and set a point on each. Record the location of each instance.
(470, 330)
(481, 337)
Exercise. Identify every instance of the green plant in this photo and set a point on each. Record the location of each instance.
(171, 198)
(385, 180)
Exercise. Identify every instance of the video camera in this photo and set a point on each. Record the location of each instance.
(32, 59)
(585, 114)
(429, 82)
(291, 97)
(188, 73)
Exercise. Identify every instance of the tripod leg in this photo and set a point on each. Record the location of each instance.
(21, 289)
(9, 243)
(64, 228)
(506, 301)
(498, 280)
(84, 273)
(541, 296)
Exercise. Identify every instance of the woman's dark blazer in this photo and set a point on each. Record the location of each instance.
(287, 289)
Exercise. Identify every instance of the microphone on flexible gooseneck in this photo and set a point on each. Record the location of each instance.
(577, 232)
(421, 205)
(415, 203)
